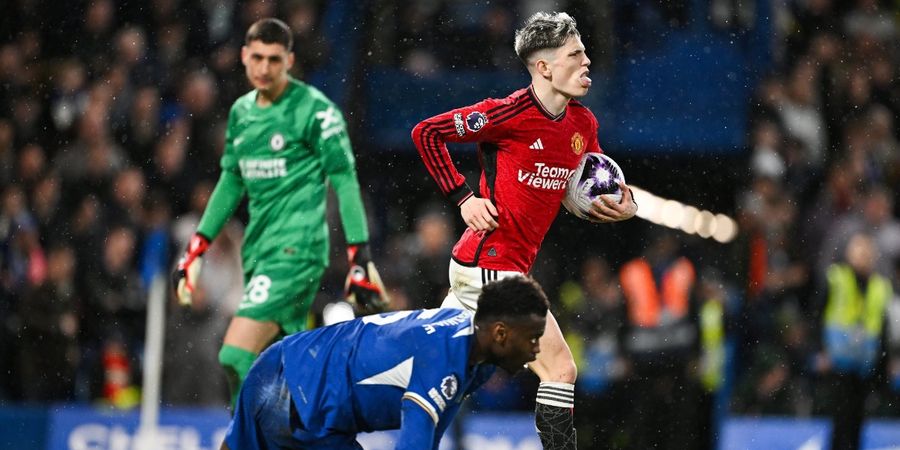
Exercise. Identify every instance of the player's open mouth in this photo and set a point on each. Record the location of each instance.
(585, 80)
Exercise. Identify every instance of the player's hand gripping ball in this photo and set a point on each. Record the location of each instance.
(597, 175)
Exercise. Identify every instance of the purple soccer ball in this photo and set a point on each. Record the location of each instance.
(596, 175)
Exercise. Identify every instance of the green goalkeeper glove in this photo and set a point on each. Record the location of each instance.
(185, 276)
(363, 287)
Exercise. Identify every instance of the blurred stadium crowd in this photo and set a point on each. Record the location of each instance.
(112, 118)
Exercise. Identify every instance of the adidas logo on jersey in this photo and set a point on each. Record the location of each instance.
(537, 145)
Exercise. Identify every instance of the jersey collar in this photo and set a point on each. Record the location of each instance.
(542, 109)
(284, 95)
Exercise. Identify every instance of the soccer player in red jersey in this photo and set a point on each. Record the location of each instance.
(528, 145)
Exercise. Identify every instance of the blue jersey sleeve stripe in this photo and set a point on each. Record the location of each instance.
(419, 400)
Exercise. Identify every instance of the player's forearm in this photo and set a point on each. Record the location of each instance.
(224, 200)
(430, 140)
(416, 429)
(353, 213)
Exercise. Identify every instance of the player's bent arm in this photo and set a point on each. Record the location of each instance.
(224, 200)
(607, 210)
(431, 144)
(418, 420)
(471, 123)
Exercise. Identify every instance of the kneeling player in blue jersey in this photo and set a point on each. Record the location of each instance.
(408, 370)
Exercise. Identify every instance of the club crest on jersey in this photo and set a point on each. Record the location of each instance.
(449, 385)
(577, 143)
(458, 123)
(277, 142)
(476, 120)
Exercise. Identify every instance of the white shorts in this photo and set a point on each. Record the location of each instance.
(466, 283)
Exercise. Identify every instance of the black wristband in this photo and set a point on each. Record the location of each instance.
(460, 194)
(362, 255)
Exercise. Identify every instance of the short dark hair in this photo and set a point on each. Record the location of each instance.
(512, 298)
(542, 31)
(270, 31)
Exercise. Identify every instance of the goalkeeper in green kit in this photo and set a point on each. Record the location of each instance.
(285, 139)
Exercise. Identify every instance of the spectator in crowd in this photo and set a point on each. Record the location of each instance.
(884, 145)
(874, 216)
(416, 37)
(713, 329)
(98, 28)
(48, 350)
(776, 377)
(88, 164)
(69, 97)
(126, 198)
(767, 159)
(142, 126)
(31, 166)
(892, 344)
(303, 18)
(7, 150)
(835, 199)
(773, 271)
(172, 168)
(47, 207)
(422, 254)
(199, 99)
(801, 114)
(595, 321)
(660, 344)
(852, 337)
(868, 20)
(23, 260)
(113, 319)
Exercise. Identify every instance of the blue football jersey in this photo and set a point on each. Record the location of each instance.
(355, 376)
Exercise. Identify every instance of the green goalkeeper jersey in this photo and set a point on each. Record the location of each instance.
(281, 156)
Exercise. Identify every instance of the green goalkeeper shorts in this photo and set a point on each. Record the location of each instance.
(281, 292)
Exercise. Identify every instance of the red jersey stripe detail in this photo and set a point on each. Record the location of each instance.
(501, 109)
(433, 151)
(437, 145)
(510, 114)
(429, 158)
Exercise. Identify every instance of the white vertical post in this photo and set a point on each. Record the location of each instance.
(153, 346)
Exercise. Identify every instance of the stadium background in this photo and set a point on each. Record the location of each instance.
(781, 114)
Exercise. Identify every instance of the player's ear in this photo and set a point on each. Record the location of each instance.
(500, 332)
(245, 53)
(290, 60)
(542, 66)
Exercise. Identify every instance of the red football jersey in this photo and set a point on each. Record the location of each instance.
(526, 157)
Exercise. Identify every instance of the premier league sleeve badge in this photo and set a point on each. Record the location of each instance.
(475, 121)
